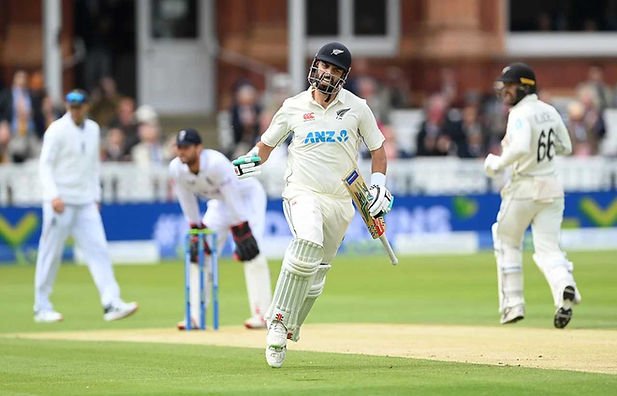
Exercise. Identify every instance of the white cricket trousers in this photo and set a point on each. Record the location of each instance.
(320, 219)
(84, 223)
(515, 215)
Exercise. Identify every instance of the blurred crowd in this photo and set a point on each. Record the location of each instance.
(460, 124)
(129, 133)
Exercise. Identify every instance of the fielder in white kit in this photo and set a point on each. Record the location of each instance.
(534, 196)
(234, 205)
(327, 124)
(69, 169)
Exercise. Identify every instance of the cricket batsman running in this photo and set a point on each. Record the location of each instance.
(327, 124)
(535, 134)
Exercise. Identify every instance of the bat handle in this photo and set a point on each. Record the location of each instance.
(388, 248)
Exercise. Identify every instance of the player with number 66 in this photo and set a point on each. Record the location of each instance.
(533, 195)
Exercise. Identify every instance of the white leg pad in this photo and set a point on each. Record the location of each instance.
(315, 291)
(509, 273)
(300, 264)
(558, 273)
(257, 277)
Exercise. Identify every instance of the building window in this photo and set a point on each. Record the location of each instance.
(370, 18)
(367, 27)
(561, 28)
(563, 15)
(322, 18)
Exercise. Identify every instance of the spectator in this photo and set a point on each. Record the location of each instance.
(105, 99)
(438, 129)
(582, 132)
(42, 107)
(369, 90)
(390, 144)
(113, 146)
(148, 153)
(494, 115)
(360, 70)
(597, 87)
(396, 88)
(473, 131)
(245, 115)
(16, 109)
(5, 138)
(448, 85)
(125, 120)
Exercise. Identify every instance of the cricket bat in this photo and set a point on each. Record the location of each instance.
(355, 184)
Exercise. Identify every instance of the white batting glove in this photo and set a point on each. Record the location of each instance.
(492, 165)
(248, 165)
(380, 200)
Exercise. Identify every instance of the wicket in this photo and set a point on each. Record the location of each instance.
(210, 236)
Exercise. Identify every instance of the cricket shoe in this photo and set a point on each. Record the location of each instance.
(119, 310)
(255, 322)
(513, 314)
(564, 313)
(47, 316)
(181, 325)
(276, 344)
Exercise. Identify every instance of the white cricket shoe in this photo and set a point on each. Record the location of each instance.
(119, 310)
(276, 344)
(47, 316)
(255, 322)
(181, 325)
(513, 314)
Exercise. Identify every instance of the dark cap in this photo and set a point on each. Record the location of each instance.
(76, 97)
(336, 54)
(519, 73)
(188, 137)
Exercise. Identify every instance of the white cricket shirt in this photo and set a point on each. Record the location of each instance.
(216, 180)
(325, 142)
(69, 165)
(534, 135)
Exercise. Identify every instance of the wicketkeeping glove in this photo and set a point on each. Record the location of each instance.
(380, 200)
(194, 243)
(246, 245)
(247, 166)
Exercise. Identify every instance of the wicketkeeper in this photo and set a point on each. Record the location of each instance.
(327, 124)
(233, 205)
(535, 134)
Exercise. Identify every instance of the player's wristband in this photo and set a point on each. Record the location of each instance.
(378, 179)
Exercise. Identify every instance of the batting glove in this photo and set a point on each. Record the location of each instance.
(194, 243)
(246, 245)
(247, 165)
(492, 165)
(380, 201)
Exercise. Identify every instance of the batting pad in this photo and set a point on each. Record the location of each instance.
(558, 273)
(300, 264)
(509, 273)
(319, 282)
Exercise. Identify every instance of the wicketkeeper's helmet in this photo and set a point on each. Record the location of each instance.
(336, 54)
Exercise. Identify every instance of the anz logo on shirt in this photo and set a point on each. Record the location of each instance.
(326, 137)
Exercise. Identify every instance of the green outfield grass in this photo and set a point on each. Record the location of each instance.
(422, 290)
